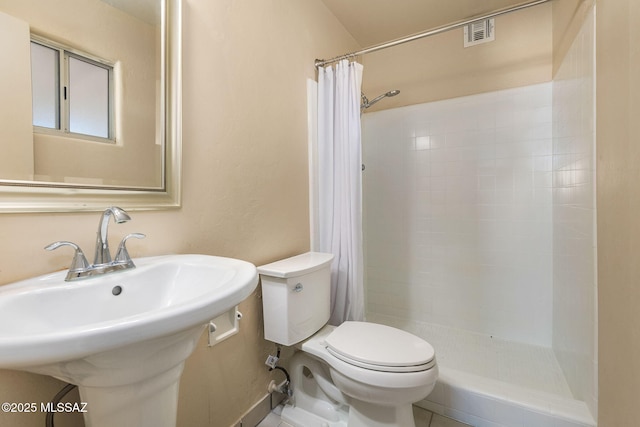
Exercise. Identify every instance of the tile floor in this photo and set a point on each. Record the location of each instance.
(423, 418)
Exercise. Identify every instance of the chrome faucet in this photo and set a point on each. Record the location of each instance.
(102, 263)
(102, 253)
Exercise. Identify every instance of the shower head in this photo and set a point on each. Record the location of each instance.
(366, 103)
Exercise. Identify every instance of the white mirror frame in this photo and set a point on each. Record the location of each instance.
(21, 196)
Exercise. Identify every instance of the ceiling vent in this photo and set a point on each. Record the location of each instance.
(479, 32)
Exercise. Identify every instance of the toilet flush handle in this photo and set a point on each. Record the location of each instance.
(298, 287)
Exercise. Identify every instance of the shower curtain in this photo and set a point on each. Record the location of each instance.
(340, 186)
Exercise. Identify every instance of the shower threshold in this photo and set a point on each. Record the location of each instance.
(489, 382)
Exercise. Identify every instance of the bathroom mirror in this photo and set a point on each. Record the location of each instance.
(58, 165)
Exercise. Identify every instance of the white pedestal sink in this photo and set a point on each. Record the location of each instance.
(122, 337)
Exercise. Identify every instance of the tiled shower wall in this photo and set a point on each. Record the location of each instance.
(574, 239)
(480, 214)
(458, 213)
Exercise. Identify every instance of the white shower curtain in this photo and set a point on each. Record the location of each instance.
(340, 186)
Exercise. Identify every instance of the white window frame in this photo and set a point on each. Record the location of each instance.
(63, 119)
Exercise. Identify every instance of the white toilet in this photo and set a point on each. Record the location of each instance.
(358, 374)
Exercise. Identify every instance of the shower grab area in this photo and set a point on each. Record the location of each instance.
(479, 236)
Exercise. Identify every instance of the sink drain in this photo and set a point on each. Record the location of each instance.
(117, 290)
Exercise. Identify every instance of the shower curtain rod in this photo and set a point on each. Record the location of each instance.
(434, 31)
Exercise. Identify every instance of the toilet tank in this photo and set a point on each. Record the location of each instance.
(296, 296)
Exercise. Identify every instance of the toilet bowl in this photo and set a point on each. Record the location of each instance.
(357, 374)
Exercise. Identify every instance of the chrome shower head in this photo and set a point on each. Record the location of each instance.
(366, 103)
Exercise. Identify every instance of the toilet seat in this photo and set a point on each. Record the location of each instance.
(380, 348)
(317, 346)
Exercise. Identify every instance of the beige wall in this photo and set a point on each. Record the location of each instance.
(618, 204)
(618, 199)
(439, 67)
(245, 187)
(16, 132)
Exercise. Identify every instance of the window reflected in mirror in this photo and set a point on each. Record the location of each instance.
(72, 92)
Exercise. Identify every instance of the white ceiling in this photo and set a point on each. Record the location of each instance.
(145, 10)
(372, 22)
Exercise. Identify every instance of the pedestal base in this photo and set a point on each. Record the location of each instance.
(133, 386)
(149, 403)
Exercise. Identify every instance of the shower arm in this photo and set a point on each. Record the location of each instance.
(365, 103)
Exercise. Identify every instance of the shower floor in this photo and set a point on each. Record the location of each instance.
(525, 365)
(486, 381)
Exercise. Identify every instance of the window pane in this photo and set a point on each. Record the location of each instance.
(88, 98)
(44, 76)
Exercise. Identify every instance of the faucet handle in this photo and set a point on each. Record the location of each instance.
(79, 262)
(122, 256)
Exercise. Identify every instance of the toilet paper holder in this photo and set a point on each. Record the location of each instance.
(224, 326)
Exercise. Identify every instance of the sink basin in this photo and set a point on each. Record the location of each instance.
(121, 337)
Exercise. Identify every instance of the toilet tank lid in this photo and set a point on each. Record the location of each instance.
(297, 265)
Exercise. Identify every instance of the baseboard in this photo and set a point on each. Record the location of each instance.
(260, 410)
